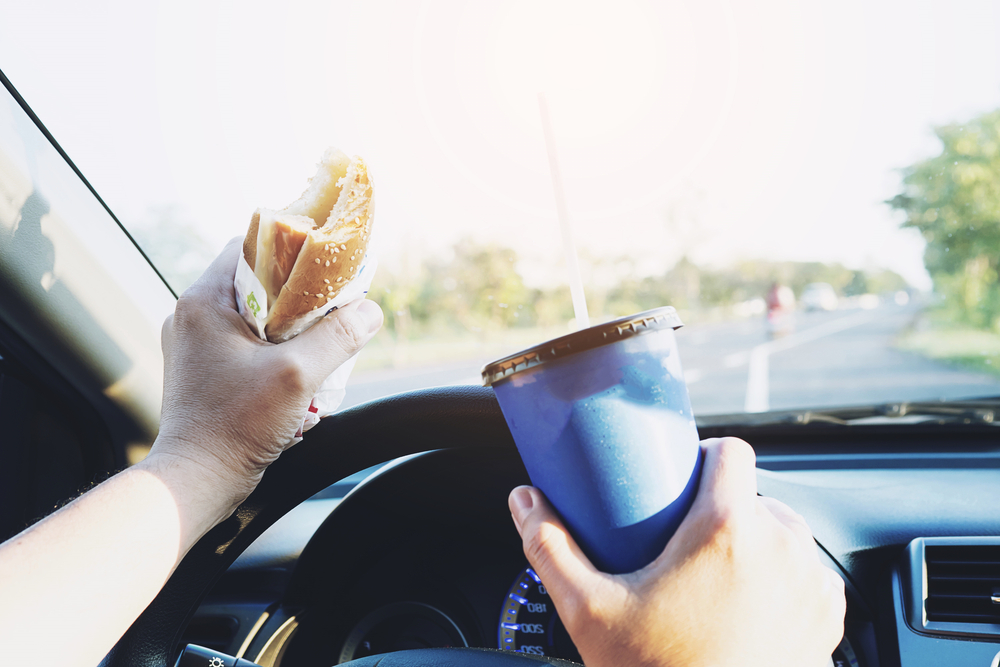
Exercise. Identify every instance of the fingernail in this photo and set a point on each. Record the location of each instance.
(520, 503)
(372, 315)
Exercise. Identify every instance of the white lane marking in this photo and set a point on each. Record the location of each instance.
(758, 398)
(758, 381)
(692, 375)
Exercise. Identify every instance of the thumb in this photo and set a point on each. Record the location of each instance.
(337, 337)
(569, 576)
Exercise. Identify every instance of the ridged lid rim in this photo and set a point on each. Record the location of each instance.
(647, 321)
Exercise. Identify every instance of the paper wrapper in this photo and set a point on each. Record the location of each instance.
(252, 299)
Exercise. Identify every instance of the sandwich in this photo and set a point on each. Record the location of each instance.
(305, 254)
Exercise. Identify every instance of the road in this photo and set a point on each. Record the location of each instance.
(844, 357)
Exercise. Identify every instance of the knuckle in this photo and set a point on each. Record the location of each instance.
(837, 587)
(168, 326)
(787, 542)
(836, 624)
(188, 307)
(737, 452)
(166, 335)
(582, 613)
(799, 523)
(539, 546)
(349, 331)
(291, 375)
(724, 524)
(832, 599)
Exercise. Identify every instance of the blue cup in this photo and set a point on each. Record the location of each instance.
(603, 423)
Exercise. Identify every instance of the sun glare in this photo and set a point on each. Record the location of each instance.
(596, 68)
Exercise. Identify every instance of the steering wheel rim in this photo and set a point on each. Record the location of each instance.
(340, 445)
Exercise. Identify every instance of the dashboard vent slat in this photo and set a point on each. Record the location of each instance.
(961, 582)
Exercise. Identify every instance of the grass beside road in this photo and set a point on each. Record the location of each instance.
(973, 349)
(438, 348)
(384, 351)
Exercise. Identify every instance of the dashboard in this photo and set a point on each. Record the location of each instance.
(422, 553)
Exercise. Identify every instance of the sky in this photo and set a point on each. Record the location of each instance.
(764, 129)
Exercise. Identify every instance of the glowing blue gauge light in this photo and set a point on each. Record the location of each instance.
(529, 622)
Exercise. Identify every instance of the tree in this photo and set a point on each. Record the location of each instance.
(954, 200)
(473, 288)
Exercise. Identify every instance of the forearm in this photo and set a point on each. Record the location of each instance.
(72, 584)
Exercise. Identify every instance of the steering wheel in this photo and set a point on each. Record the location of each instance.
(340, 445)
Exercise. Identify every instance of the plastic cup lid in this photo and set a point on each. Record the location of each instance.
(647, 321)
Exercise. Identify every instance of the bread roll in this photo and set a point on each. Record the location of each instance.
(306, 253)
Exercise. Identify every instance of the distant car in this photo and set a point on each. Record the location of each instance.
(819, 296)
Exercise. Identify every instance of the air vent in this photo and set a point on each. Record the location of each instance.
(962, 583)
(951, 586)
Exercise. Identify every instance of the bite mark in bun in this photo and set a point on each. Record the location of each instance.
(306, 253)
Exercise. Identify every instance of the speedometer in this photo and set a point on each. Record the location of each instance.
(529, 622)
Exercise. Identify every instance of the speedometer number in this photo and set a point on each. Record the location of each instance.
(529, 623)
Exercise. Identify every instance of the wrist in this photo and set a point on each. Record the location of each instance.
(205, 493)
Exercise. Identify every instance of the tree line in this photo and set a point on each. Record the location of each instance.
(478, 288)
(954, 200)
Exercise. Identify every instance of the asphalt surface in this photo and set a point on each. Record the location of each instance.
(844, 357)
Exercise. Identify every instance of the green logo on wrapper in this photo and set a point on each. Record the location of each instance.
(253, 305)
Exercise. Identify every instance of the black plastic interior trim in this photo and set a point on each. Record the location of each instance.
(33, 368)
(21, 360)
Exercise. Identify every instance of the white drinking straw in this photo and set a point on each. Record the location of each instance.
(569, 248)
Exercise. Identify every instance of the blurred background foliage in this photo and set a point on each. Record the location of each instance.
(478, 289)
(472, 300)
(474, 294)
(172, 241)
(954, 200)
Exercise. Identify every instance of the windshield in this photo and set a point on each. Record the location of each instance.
(814, 186)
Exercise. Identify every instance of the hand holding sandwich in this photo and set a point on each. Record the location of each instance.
(303, 258)
(232, 402)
